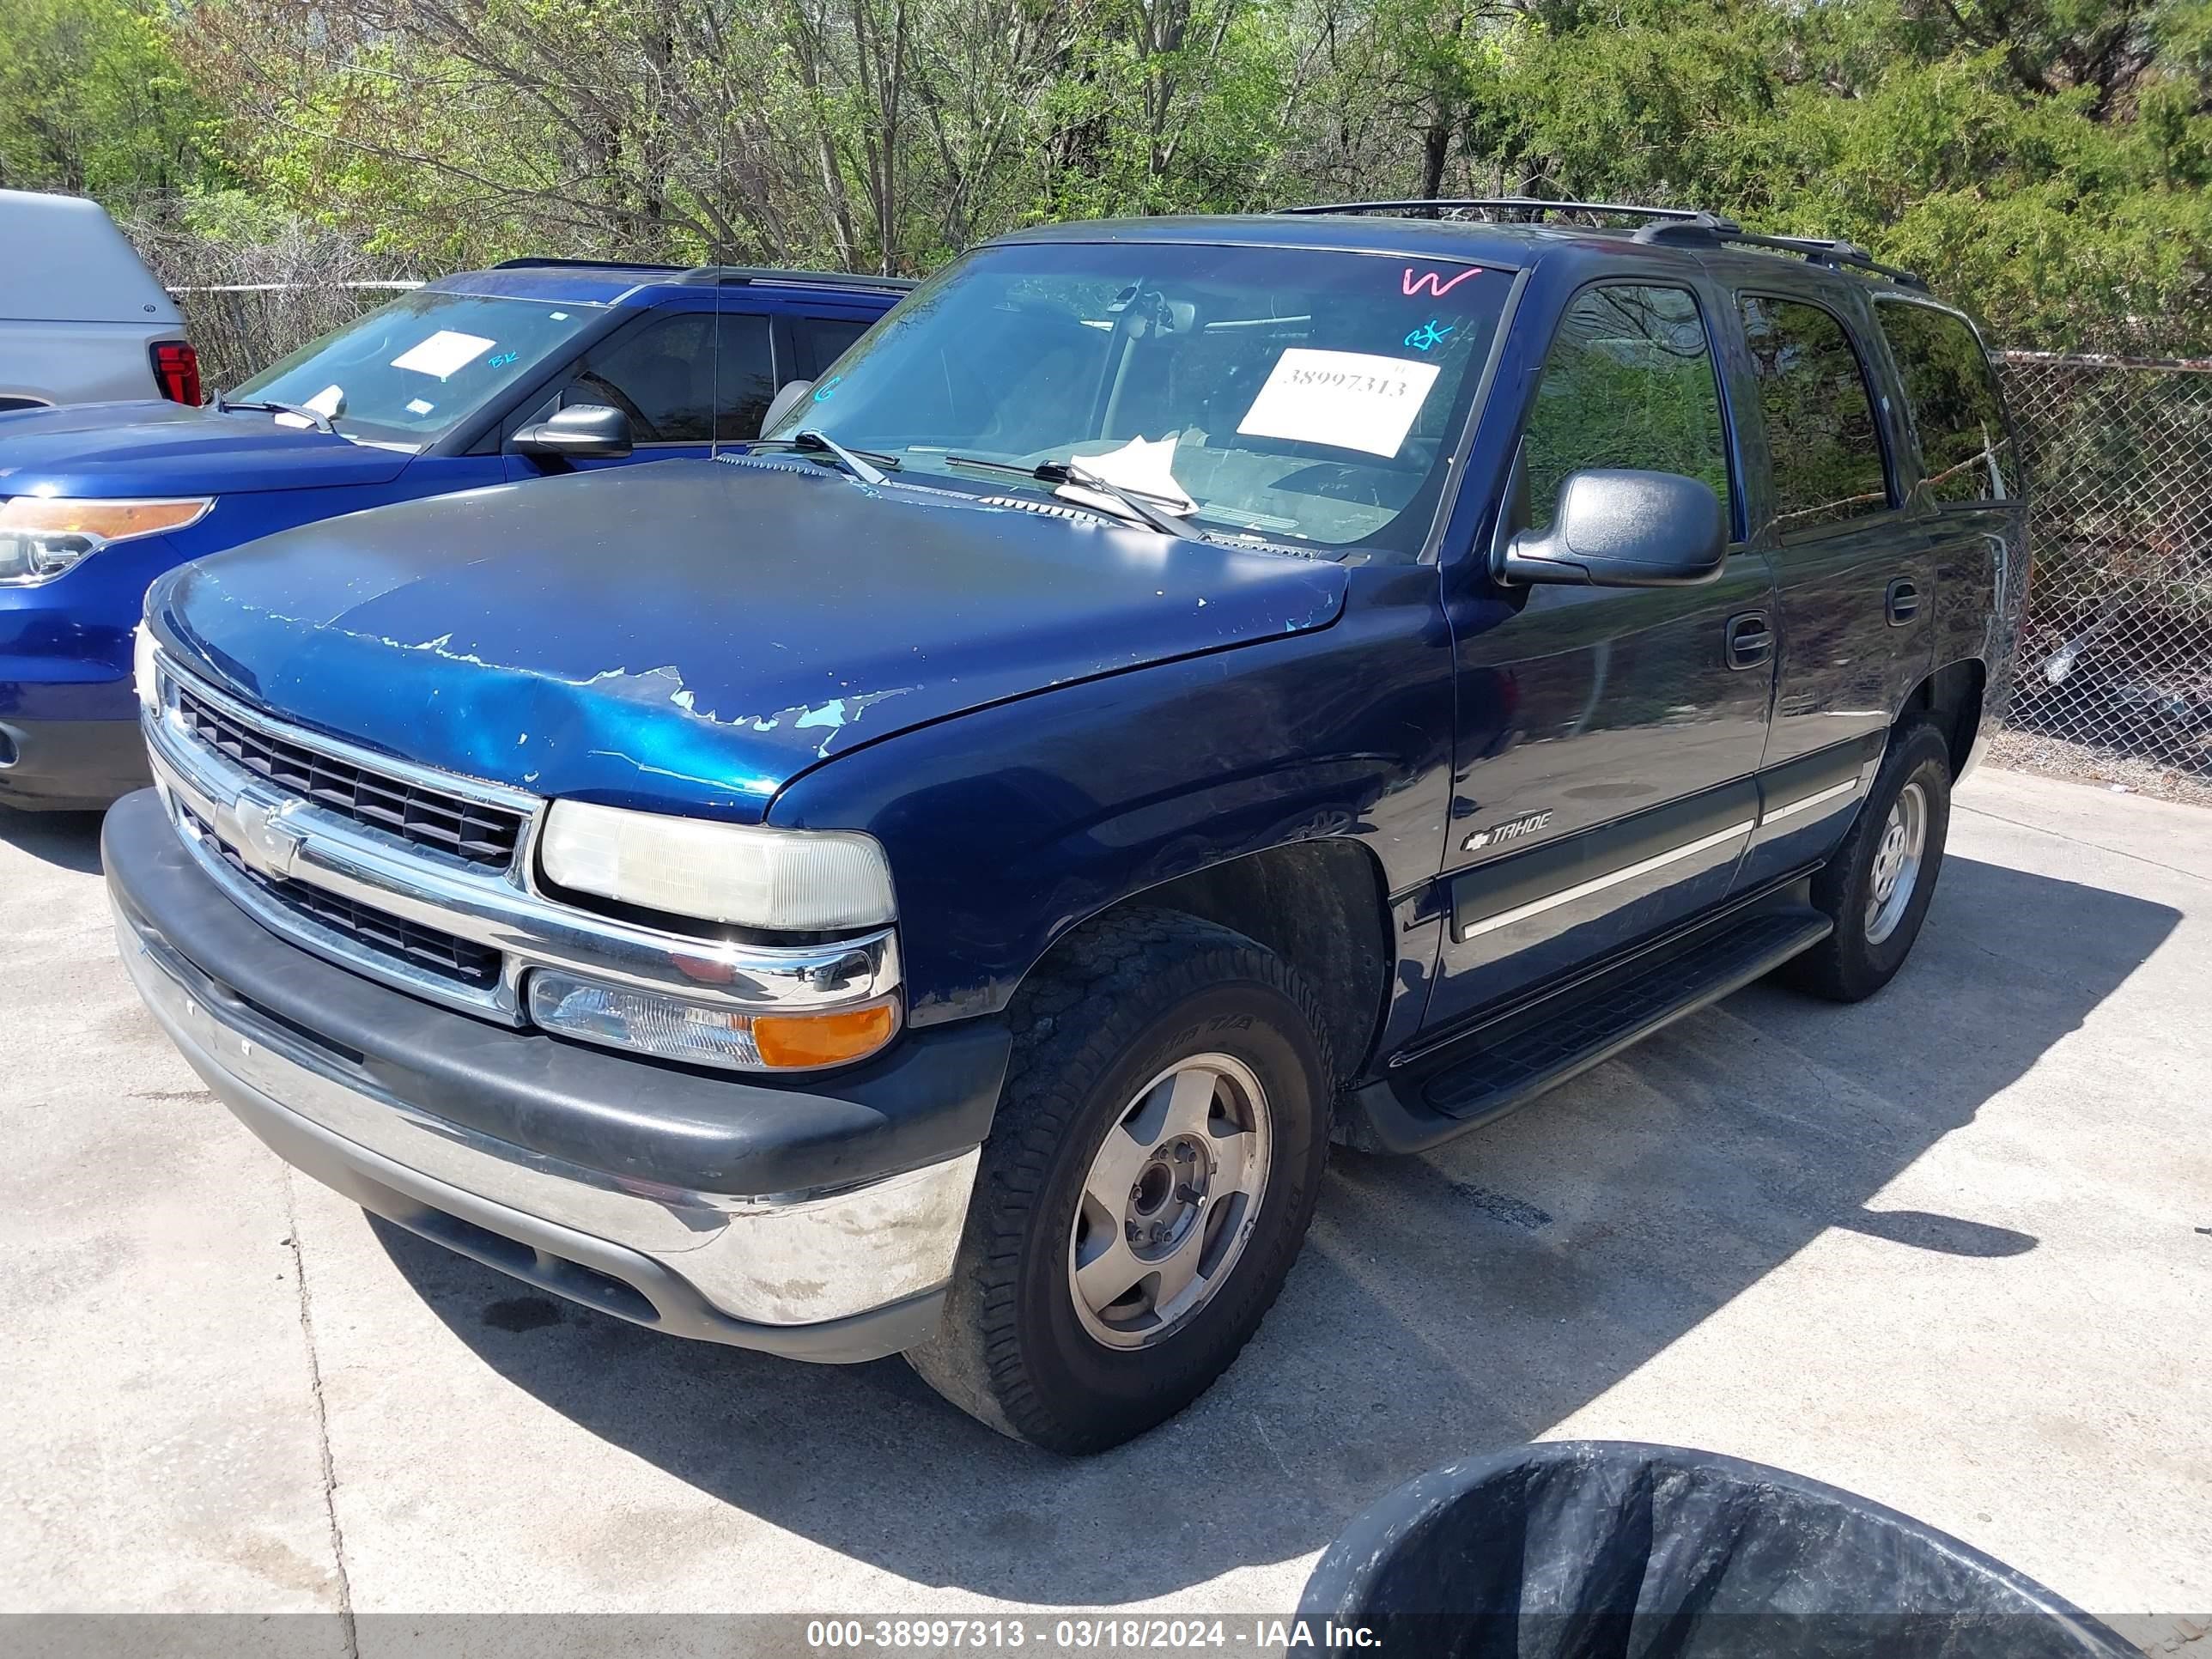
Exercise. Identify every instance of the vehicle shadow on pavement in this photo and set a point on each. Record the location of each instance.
(68, 840)
(1444, 1305)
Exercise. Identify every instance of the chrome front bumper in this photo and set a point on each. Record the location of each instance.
(837, 1275)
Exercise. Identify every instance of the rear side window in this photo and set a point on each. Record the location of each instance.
(1951, 393)
(1629, 382)
(1820, 431)
(744, 376)
(822, 341)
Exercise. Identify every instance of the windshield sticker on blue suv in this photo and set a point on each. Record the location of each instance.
(443, 353)
(1347, 399)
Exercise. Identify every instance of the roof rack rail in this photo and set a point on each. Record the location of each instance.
(1532, 208)
(1665, 225)
(738, 274)
(529, 259)
(1828, 251)
(718, 275)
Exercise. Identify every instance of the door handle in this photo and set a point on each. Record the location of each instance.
(1750, 641)
(1902, 604)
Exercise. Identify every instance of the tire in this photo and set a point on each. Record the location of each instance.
(1103, 1035)
(1871, 942)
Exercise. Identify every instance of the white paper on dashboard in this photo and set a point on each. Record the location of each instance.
(1349, 399)
(1144, 467)
(442, 353)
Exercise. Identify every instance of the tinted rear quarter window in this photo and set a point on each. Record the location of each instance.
(1820, 433)
(1951, 396)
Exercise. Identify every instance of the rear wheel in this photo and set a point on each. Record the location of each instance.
(1876, 889)
(1149, 1178)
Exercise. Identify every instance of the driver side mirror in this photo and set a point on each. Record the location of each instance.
(581, 432)
(788, 397)
(1616, 527)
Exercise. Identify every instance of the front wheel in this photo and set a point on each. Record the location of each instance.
(1876, 889)
(1149, 1175)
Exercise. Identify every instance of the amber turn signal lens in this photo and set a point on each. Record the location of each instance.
(112, 521)
(795, 1041)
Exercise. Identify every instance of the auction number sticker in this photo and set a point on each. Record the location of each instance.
(1347, 400)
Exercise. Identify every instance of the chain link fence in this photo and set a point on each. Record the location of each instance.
(2114, 678)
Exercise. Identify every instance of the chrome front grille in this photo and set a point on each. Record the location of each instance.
(428, 817)
(273, 815)
(463, 961)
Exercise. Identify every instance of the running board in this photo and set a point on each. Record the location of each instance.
(1495, 1068)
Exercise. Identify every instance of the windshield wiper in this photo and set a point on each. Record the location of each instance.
(313, 418)
(1139, 504)
(865, 465)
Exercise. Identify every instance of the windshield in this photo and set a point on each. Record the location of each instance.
(1302, 397)
(406, 373)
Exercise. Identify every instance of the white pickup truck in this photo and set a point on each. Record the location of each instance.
(82, 320)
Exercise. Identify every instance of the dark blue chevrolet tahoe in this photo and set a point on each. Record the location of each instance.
(1174, 693)
(485, 378)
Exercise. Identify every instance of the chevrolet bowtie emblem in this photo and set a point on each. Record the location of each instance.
(1526, 824)
(265, 841)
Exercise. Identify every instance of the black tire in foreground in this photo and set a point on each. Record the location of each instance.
(1877, 887)
(1147, 1181)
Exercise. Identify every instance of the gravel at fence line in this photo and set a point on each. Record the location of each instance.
(2082, 762)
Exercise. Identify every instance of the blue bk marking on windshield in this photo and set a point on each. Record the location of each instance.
(1428, 336)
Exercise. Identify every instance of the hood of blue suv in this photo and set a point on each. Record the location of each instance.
(691, 636)
(111, 450)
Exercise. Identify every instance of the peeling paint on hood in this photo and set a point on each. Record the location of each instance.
(688, 636)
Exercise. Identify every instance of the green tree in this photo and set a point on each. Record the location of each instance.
(93, 100)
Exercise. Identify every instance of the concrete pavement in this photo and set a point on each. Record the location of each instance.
(1947, 1248)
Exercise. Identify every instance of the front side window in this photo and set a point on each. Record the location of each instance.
(660, 374)
(1821, 433)
(407, 372)
(1951, 396)
(1629, 382)
(1304, 396)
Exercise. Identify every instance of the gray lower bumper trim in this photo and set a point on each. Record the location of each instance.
(615, 1280)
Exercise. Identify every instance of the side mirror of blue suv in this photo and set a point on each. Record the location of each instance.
(1618, 527)
(489, 377)
(580, 432)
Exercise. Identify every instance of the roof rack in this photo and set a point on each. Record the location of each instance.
(1531, 208)
(1668, 226)
(717, 276)
(1826, 251)
(530, 259)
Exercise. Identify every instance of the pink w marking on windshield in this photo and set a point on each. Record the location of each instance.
(1434, 283)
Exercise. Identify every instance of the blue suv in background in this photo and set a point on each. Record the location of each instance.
(484, 379)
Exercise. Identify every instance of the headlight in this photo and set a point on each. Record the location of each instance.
(43, 535)
(143, 671)
(786, 880)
